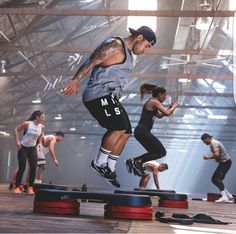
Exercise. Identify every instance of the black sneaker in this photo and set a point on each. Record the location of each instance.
(11, 187)
(129, 165)
(25, 188)
(103, 171)
(114, 183)
(138, 168)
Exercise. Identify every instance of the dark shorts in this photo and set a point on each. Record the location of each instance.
(109, 113)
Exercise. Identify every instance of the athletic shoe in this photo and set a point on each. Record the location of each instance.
(30, 191)
(17, 190)
(114, 183)
(25, 188)
(138, 168)
(222, 200)
(129, 165)
(231, 200)
(11, 187)
(21, 186)
(103, 171)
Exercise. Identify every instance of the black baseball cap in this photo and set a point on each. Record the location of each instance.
(147, 33)
(60, 133)
(205, 135)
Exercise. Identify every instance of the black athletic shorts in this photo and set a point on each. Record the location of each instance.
(109, 113)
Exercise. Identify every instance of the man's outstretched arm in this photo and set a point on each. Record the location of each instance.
(101, 54)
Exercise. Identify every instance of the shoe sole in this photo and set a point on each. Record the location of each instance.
(128, 169)
(136, 172)
(96, 171)
(222, 202)
(230, 202)
(99, 173)
(109, 182)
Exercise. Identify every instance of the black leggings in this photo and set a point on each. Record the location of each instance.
(220, 173)
(25, 153)
(150, 143)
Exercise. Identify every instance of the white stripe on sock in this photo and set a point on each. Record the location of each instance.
(112, 160)
(102, 156)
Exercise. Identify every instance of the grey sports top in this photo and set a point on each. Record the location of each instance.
(112, 79)
(224, 156)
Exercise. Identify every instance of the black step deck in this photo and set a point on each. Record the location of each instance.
(162, 195)
(111, 198)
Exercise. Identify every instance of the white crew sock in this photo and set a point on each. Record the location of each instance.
(112, 160)
(102, 157)
(228, 194)
(37, 181)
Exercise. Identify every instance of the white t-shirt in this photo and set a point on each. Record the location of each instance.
(153, 162)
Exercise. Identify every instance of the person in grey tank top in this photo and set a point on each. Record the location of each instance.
(109, 65)
(221, 156)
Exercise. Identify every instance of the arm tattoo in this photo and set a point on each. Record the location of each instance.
(103, 52)
(106, 50)
(83, 70)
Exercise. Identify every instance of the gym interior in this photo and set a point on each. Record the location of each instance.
(44, 43)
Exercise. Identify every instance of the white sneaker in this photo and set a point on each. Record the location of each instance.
(231, 200)
(222, 200)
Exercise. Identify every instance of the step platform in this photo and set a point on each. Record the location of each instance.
(37, 186)
(154, 190)
(171, 200)
(211, 197)
(153, 193)
(118, 206)
(65, 207)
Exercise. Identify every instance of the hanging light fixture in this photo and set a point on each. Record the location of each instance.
(3, 63)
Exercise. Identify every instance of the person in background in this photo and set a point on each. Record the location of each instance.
(153, 167)
(33, 132)
(220, 155)
(47, 146)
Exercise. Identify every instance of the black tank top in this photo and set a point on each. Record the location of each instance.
(147, 117)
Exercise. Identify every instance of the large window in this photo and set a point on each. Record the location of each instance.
(137, 21)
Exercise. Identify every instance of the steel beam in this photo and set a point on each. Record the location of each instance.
(101, 12)
(133, 75)
(86, 50)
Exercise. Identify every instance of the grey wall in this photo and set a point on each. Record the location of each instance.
(188, 172)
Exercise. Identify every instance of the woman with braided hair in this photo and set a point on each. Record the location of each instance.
(152, 108)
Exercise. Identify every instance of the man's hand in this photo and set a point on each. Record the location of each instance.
(206, 157)
(71, 88)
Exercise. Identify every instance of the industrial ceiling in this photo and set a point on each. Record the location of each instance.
(43, 43)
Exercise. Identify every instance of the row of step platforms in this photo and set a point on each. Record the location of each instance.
(121, 204)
